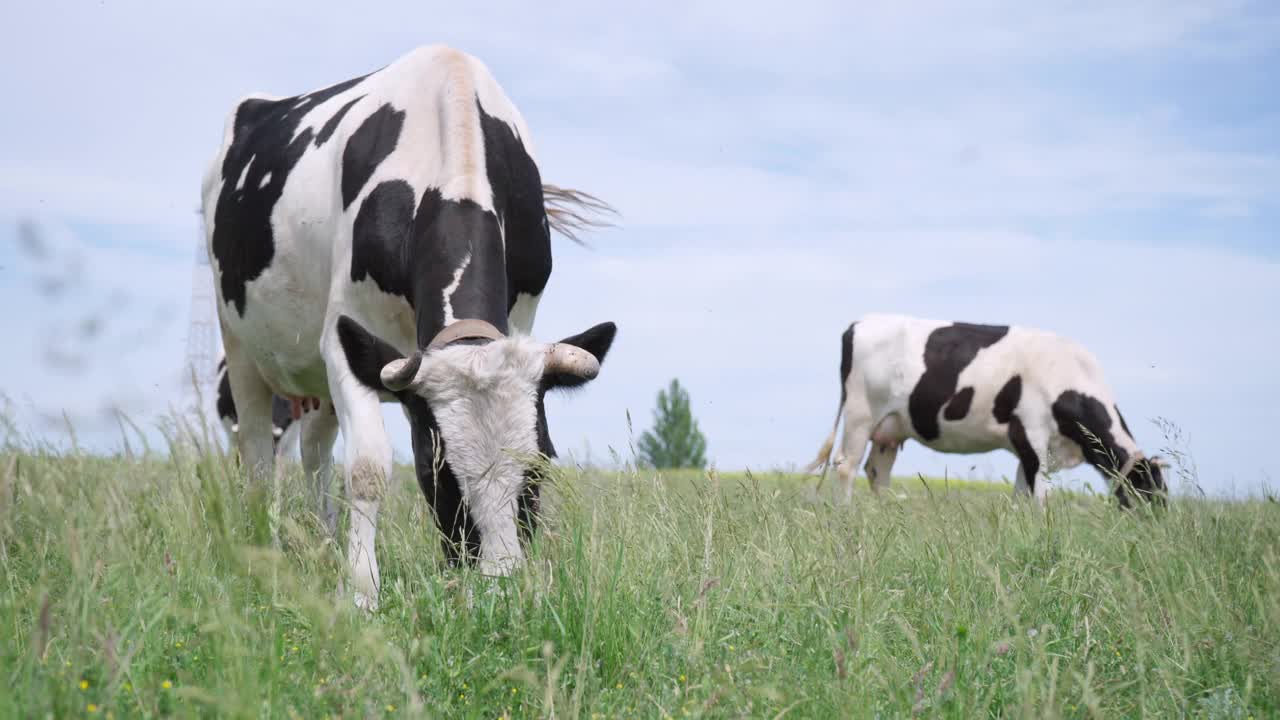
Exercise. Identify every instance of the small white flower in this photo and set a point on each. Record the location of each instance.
(1032, 632)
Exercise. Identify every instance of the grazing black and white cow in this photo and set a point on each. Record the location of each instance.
(963, 388)
(284, 430)
(388, 239)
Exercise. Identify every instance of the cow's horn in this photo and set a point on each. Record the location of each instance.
(400, 374)
(563, 358)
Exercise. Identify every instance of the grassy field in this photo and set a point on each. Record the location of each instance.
(143, 588)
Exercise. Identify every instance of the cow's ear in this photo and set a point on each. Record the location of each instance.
(366, 353)
(595, 341)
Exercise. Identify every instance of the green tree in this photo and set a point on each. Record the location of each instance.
(675, 440)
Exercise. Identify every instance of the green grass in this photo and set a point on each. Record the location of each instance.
(144, 588)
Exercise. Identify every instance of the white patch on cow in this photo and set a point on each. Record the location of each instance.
(522, 313)
(451, 288)
(484, 399)
(264, 181)
(245, 173)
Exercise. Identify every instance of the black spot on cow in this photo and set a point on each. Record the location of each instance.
(368, 146)
(416, 255)
(281, 415)
(529, 500)
(264, 149)
(1007, 400)
(461, 536)
(380, 237)
(958, 408)
(330, 125)
(1084, 420)
(447, 235)
(1123, 424)
(1025, 452)
(518, 200)
(846, 361)
(947, 352)
(226, 403)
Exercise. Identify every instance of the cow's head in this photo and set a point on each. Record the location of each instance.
(1146, 479)
(474, 399)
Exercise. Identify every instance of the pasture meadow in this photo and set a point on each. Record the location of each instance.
(142, 587)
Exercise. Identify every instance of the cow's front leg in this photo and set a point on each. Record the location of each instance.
(1032, 448)
(853, 446)
(367, 467)
(880, 465)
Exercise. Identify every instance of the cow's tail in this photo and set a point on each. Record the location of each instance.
(571, 212)
(824, 453)
(823, 459)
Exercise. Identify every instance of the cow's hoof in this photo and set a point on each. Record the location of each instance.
(368, 603)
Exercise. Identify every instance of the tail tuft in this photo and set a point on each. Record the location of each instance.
(571, 212)
(824, 455)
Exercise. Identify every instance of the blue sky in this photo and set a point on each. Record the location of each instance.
(1105, 170)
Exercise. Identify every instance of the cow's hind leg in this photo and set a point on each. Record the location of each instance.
(253, 413)
(319, 430)
(853, 447)
(254, 438)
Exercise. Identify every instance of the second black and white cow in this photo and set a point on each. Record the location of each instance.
(964, 388)
(388, 239)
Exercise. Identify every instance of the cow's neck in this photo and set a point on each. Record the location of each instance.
(459, 270)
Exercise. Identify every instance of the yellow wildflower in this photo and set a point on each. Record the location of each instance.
(166, 684)
(91, 708)
(84, 684)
